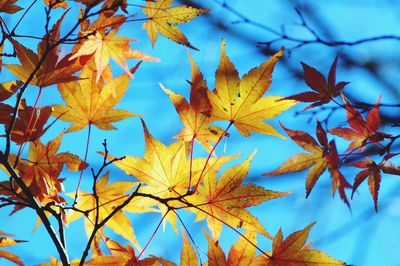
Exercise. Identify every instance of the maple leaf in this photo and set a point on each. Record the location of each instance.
(88, 102)
(56, 3)
(292, 251)
(196, 115)
(7, 89)
(105, 45)
(323, 90)
(53, 70)
(240, 101)
(30, 123)
(224, 201)
(110, 196)
(373, 171)
(188, 255)
(165, 171)
(321, 156)
(111, 6)
(9, 6)
(162, 18)
(361, 130)
(43, 166)
(6, 241)
(240, 254)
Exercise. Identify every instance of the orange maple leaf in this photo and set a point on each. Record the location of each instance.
(44, 165)
(30, 123)
(91, 103)
(196, 115)
(53, 70)
(292, 251)
(321, 156)
(224, 201)
(240, 101)
(162, 18)
(56, 3)
(7, 89)
(241, 253)
(361, 130)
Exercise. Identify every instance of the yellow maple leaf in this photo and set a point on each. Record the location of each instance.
(240, 101)
(224, 201)
(166, 172)
(292, 251)
(89, 102)
(188, 255)
(110, 196)
(162, 18)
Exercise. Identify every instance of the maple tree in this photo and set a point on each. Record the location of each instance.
(171, 180)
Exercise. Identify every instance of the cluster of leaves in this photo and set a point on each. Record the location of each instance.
(168, 178)
(324, 155)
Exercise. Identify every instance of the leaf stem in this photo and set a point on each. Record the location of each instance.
(210, 154)
(85, 159)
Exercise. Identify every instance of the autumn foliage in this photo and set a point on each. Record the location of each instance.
(168, 179)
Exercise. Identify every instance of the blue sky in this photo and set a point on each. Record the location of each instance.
(360, 237)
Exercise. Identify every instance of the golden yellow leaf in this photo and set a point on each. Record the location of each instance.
(292, 251)
(240, 101)
(91, 102)
(110, 196)
(224, 201)
(166, 172)
(188, 255)
(162, 18)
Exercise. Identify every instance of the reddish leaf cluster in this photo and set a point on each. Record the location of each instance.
(361, 133)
